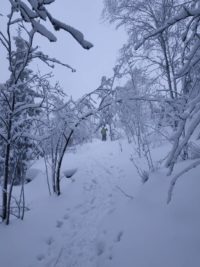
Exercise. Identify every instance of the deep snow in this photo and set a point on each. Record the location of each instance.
(105, 216)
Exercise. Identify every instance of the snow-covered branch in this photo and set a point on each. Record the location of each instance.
(176, 177)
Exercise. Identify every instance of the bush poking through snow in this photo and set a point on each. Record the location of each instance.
(142, 173)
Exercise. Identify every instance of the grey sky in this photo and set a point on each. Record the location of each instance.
(90, 65)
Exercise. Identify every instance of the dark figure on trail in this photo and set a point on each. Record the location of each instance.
(103, 133)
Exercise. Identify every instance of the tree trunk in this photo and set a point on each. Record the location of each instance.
(60, 162)
(5, 206)
(167, 66)
(5, 182)
(9, 202)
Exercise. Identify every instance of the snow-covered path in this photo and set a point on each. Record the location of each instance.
(79, 245)
(99, 181)
(105, 217)
(66, 232)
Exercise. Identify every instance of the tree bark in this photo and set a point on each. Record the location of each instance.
(5, 206)
(60, 162)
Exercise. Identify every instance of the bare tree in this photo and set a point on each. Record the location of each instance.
(22, 13)
(141, 17)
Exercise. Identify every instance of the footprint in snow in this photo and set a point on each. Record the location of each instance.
(100, 248)
(119, 236)
(49, 240)
(104, 231)
(110, 254)
(40, 257)
(88, 187)
(110, 257)
(94, 181)
(59, 224)
(68, 209)
(66, 217)
(78, 206)
(85, 212)
(92, 200)
(110, 211)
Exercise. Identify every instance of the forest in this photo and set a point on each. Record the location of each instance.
(120, 164)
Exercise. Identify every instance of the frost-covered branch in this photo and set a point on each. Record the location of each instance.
(39, 11)
(176, 177)
(184, 14)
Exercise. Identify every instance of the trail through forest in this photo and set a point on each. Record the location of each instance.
(105, 216)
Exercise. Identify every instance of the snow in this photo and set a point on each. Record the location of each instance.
(27, 10)
(94, 223)
(32, 173)
(69, 172)
(38, 27)
(77, 35)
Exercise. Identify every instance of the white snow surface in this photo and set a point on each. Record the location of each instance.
(68, 173)
(95, 224)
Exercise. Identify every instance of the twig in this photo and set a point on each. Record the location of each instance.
(124, 193)
(59, 255)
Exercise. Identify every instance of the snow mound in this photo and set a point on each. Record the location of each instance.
(69, 172)
(32, 174)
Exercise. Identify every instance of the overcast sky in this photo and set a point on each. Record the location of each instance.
(90, 65)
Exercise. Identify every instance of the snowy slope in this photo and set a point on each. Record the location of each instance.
(105, 217)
